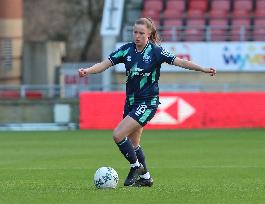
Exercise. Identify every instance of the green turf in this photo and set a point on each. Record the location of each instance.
(188, 166)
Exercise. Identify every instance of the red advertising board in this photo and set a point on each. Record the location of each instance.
(100, 110)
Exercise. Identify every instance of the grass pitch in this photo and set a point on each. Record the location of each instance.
(188, 166)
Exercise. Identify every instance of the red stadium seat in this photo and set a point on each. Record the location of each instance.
(259, 22)
(246, 5)
(9, 94)
(173, 22)
(223, 14)
(194, 30)
(238, 26)
(172, 14)
(223, 23)
(198, 5)
(34, 95)
(241, 22)
(218, 35)
(196, 22)
(218, 29)
(240, 14)
(259, 29)
(154, 15)
(172, 29)
(153, 5)
(170, 35)
(177, 5)
(224, 5)
(259, 34)
(259, 13)
(194, 35)
(260, 4)
(195, 14)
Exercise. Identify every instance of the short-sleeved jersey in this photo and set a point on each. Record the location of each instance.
(142, 71)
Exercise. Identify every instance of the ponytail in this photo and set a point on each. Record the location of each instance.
(154, 37)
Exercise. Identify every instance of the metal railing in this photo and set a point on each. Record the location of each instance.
(198, 33)
(38, 92)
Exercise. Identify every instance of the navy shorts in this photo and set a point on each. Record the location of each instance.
(141, 113)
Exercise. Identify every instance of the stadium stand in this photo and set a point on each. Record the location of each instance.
(194, 29)
(240, 29)
(204, 20)
(219, 29)
(259, 21)
(221, 5)
(153, 8)
(259, 29)
(243, 5)
(172, 29)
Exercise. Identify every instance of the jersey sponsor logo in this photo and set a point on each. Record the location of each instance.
(136, 71)
(140, 109)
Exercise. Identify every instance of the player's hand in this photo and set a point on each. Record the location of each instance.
(210, 71)
(82, 72)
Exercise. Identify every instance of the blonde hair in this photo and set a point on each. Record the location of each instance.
(154, 37)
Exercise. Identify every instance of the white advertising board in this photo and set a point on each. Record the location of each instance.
(224, 56)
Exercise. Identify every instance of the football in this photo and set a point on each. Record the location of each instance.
(106, 177)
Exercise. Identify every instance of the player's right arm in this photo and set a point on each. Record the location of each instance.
(96, 68)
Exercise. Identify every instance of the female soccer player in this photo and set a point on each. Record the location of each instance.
(142, 59)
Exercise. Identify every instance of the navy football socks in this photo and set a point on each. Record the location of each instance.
(127, 150)
(141, 158)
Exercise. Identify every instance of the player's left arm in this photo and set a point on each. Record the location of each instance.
(192, 66)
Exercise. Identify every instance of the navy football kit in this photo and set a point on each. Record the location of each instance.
(143, 72)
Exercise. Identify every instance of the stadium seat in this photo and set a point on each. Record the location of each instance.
(259, 29)
(173, 22)
(177, 5)
(236, 29)
(9, 94)
(260, 4)
(194, 35)
(219, 29)
(260, 9)
(171, 35)
(172, 14)
(201, 5)
(224, 5)
(246, 5)
(172, 29)
(259, 34)
(195, 14)
(259, 13)
(34, 95)
(240, 14)
(194, 30)
(223, 14)
(259, 22)
(156, 5)
(154, 15)
(199, 23)
(156, 23)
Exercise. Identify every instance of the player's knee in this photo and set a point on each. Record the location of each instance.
(117, 136)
